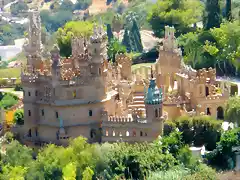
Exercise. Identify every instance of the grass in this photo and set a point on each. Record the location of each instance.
(10, 72)
(135, 66)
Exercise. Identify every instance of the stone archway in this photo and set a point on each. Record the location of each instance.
(220, 113)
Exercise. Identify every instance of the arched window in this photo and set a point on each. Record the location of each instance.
(220, 113)
(156, 113)
(120, 134)
(90, 113)
(29, 93)
(141, 133)
(113, 133)
(208, 111)
(106, 132)
(127, 133)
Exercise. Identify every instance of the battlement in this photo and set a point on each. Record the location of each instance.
(119, 119)
(206, 73)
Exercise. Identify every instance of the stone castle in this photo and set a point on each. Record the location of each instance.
(107, 102)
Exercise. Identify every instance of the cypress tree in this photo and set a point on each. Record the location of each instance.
(213, 18)
(109, 32)
(126, 40)
(137, 36)
(132, 42)
(229, 10)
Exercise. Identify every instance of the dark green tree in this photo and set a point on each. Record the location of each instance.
(137, 37)
(109, 32)
(126, 40)
(19, 117)
(229, 10)
(213, 14)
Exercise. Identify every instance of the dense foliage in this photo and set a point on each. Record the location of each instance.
(232, 110)
(218, 47)
(18, 117)
(181, 14)
(223, 157)
(71, 29)
(196, 130)
(81, 160)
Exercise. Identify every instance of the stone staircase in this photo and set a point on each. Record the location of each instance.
(138, 101)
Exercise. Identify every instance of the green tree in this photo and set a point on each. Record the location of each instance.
(114, 48)
(66, 5)
(109, 32)
(192, 48)
(18, 7)
(137, 36)
(229, 10)
(126, 40)
(72, 28)
(178, 13)
(213, 16)
(12, 173)
(232, 110)
(17, 154)
(82, 4)
(18, 117)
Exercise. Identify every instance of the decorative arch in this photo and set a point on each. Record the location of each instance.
(220, 113)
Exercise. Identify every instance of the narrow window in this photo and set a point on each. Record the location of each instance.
(127, 133)
(56, 114)
(29, 93)
(106, 132)
(99, 71)
(90, 113)
(29, 113)
(156, 113)
(141, 133)
(113, 133)
(36, 93)
(42, 112)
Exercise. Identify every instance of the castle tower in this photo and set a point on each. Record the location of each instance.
(153, 104)
(98, 50)
(56, 65)
(169, 61)
(33, 46)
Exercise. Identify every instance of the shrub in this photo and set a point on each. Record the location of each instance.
(223, 157)
(203, 173)
(18, 117)
(196, 130)
(178, 172)
(18, 87)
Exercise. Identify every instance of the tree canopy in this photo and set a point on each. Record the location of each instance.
(178, 13)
